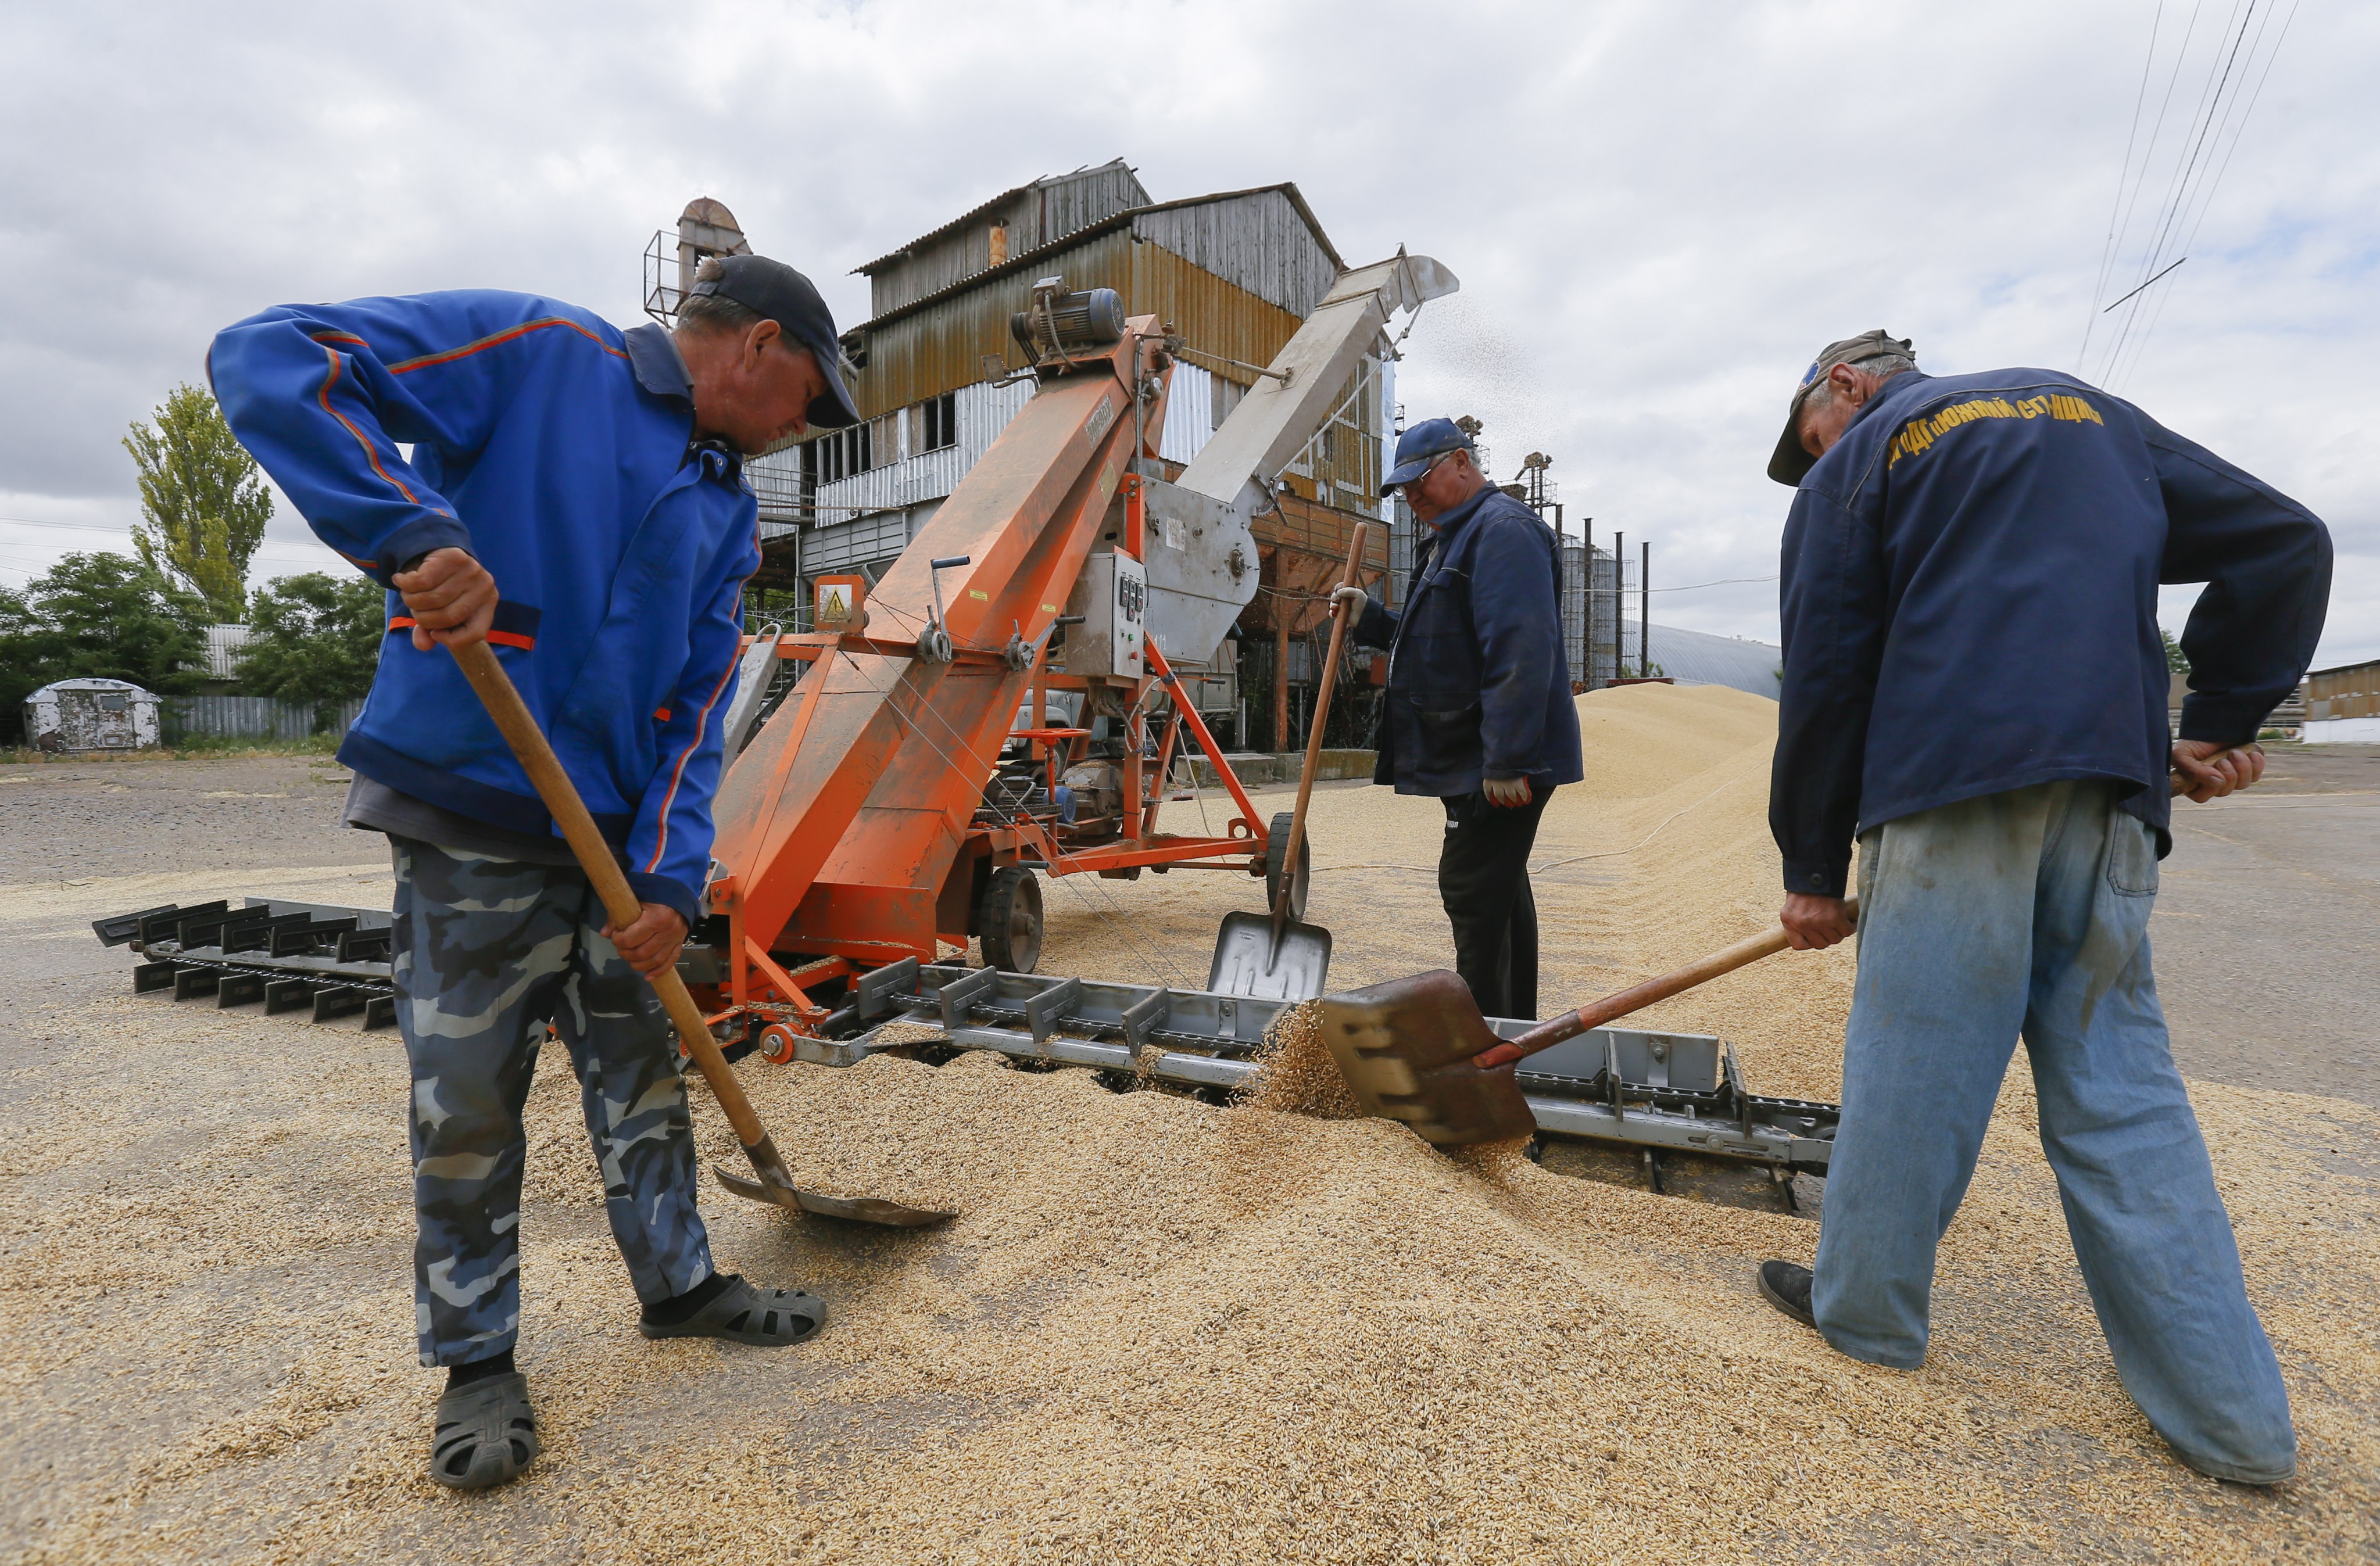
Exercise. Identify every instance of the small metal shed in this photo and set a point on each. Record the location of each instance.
(91, 715)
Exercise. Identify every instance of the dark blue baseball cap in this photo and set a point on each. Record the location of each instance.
(775, 290)
(1418, 446)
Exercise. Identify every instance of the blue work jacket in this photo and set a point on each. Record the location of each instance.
(1970, 594)
(1477, 684)
(554, 448)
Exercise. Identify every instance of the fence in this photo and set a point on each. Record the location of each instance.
(253, 717)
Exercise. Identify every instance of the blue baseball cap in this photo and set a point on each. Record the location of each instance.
(771, 288)
(1430, 439)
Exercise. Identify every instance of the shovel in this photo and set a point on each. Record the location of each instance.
(775, 1185)
(1283, 958)
(1417, 1049)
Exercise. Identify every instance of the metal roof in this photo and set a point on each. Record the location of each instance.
(971, 214)
(1697, 658)
(88, 682)
(1032, 258)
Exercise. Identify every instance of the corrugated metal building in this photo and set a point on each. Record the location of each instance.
(2343, 704)
(1232, 273)
(1697, 658)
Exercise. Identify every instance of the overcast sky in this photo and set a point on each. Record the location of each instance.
(1658, 211)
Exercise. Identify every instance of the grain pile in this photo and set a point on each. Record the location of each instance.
(1161, 1331)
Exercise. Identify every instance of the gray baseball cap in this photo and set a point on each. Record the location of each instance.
(1789, 461)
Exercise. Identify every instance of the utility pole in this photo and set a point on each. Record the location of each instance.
(1645, 614)
(1618, 599)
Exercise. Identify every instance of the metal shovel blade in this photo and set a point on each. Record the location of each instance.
(1248, 962)
(1405, 1048)
(859, 1210)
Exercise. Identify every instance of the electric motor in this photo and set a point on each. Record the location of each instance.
(1091, 319)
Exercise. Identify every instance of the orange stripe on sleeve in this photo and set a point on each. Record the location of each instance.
(660, 840)
(371, 455)
(450, 355)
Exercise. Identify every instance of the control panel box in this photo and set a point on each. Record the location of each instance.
(1111, 596)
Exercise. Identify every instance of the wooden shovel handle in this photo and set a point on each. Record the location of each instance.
(1545, 1035)
(513, 718)
(1339, 618)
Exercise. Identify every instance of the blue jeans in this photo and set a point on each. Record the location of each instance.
(2027, 912)
(486, 953)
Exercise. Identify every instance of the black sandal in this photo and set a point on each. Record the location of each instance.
(486, 1434)
(771, 1319)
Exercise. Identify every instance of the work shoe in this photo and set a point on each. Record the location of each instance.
(1787, 1287)
(486, 1434)
(744, 1313)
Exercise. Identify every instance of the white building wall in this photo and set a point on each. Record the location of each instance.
(984, 410)
(2341, 731)
(225, 645)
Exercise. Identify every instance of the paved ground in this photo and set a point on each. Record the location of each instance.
(67, 820)
(2268, 929)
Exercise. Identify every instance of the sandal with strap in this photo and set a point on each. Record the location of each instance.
(744, 1313)
(486, 1434)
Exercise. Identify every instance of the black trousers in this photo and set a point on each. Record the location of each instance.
(1483, 878)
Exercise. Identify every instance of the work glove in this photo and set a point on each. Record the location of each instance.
(1508, 794)
(1350, 599)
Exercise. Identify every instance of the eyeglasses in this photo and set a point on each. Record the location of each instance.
(1426, 472)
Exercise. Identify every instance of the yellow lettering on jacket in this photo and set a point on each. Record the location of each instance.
(1919, 434)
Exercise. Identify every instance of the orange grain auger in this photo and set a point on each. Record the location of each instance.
(913, 784)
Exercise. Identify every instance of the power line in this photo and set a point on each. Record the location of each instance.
(2245, 50)
(2178, 194)
(2129, 204)
(2173, 81)
(2145, 285)
(1723, 582)
(2271, 55)
(2124, 171)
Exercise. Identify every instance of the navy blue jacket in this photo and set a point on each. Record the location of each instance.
(1969, 597)
(1477, 688)
(556, 448)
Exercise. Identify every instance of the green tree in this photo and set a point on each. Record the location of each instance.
(204, 502)
(2175, 659)
(314, 638)
(103, 615)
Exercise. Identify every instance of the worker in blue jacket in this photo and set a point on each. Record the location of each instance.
(1976, 688)
(518, 471)
(1478, 711)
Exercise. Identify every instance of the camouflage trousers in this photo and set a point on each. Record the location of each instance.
(486, 953)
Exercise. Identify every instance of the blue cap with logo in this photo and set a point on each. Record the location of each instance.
(1421, 446)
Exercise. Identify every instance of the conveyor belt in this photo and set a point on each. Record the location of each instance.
(1666, 1092)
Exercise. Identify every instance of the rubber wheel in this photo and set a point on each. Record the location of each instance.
(1009, 918)
(1276, 847)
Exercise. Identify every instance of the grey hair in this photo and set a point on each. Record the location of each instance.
(714, 312)
(1882, 366)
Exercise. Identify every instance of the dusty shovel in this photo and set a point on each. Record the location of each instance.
(1281, 957)
(1417, 1049)
(775, 1185)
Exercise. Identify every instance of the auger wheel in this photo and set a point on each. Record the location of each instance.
(1009, 919)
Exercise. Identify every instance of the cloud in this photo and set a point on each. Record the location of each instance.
(1658, 211)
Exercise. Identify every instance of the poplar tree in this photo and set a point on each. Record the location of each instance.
(202, 502)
